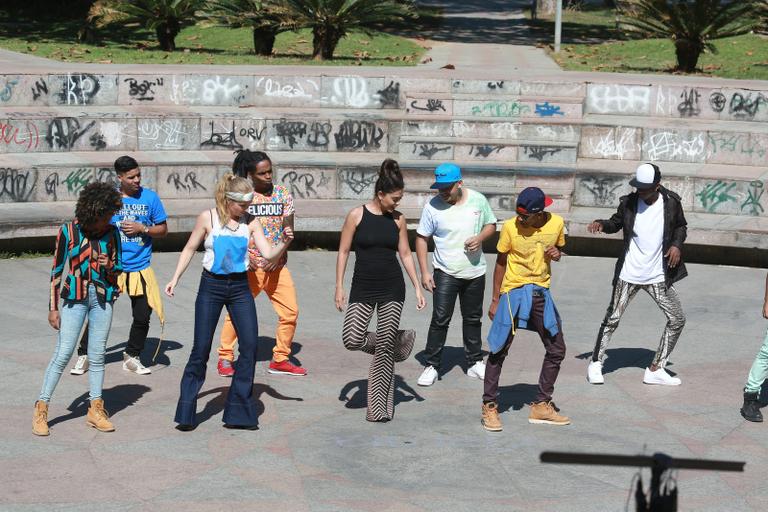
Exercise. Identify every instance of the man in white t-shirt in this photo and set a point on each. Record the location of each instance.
(654, 230)
(458, 220)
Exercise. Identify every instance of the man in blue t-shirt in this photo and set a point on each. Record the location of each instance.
(141, 219)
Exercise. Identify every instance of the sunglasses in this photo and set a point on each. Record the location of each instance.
(526, 216)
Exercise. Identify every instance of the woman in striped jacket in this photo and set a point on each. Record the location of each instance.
(90, 248)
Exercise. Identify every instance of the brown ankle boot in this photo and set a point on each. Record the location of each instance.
(491, 420)
(547, 413)
(40, 419)
(98, 417)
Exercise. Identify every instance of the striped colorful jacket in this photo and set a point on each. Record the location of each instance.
(81, 254)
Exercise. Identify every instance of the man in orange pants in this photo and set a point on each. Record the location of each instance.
(273, 205)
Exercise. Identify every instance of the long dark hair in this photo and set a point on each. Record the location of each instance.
(390, 178)
(246, 161)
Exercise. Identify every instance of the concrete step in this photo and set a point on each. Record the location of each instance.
(503, 96)
(292, 159)
(23, 220)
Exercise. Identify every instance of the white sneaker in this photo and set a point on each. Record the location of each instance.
(81, 366)
(660, 376)
(132, 364)
(477, 370)
(428, 376)
(595, 372)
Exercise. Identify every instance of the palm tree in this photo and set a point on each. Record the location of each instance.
(264, 17)
(692, 25)
(330, 20)
(165, 17)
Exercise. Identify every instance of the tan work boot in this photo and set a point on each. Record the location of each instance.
(491, 420)
(545, 412)
(98, 417)
(40, 419)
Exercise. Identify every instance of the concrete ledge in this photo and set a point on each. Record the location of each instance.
(32, 220)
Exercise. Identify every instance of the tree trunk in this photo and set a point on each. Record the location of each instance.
(687, 53)
(166, 35)
(264, 41)
(543, 8)
(324, 41)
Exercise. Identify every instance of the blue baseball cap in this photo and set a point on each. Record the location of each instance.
(532, 200)
(445, 175)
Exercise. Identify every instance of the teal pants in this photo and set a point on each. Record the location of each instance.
(759, 371)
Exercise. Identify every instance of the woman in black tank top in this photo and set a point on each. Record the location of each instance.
(378, 233)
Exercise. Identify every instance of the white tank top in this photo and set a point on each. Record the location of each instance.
(226, 250)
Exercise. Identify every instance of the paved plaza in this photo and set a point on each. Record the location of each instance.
(314, 450)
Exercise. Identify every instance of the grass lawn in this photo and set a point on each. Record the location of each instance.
(737, 57)
(592, 43)
(197, 45)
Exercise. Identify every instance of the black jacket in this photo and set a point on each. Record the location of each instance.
(674, 230)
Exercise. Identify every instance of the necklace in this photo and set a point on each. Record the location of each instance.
(228, 226)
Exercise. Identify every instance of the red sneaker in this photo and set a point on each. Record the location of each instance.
(225, 368)
(286, 368)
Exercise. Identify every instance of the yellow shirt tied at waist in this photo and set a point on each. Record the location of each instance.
(525, 246)
(134, 289)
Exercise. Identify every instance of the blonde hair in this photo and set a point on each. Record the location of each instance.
(229, 183)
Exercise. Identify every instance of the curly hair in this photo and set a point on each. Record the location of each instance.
(97, 200)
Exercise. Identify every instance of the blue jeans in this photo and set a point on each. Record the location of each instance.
(73, 315)
(759, 371)
(214, 293)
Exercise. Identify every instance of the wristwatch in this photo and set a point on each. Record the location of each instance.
(146, 229)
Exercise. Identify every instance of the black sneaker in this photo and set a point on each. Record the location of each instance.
(751, 408)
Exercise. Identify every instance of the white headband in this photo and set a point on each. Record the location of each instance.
(239, 197)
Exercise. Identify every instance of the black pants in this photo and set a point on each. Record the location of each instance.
(470, 293)
(137, 336)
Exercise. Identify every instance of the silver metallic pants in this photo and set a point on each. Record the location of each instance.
(667, 300)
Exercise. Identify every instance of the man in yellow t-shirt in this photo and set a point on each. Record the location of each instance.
(521, 299)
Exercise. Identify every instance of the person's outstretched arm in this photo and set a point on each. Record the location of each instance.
(195, 239)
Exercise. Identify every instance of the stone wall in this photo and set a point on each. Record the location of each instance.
(581, 139)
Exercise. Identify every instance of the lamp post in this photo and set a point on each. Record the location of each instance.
(558, 24)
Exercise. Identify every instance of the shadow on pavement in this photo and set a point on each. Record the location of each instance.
(452, 357)
(115, 400)
(516, 396)
(115, 352)
(359, 390)
(267, 344)
(216, 404)
(617, 358)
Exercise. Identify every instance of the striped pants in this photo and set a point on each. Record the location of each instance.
(667, 300)
(381, 376)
